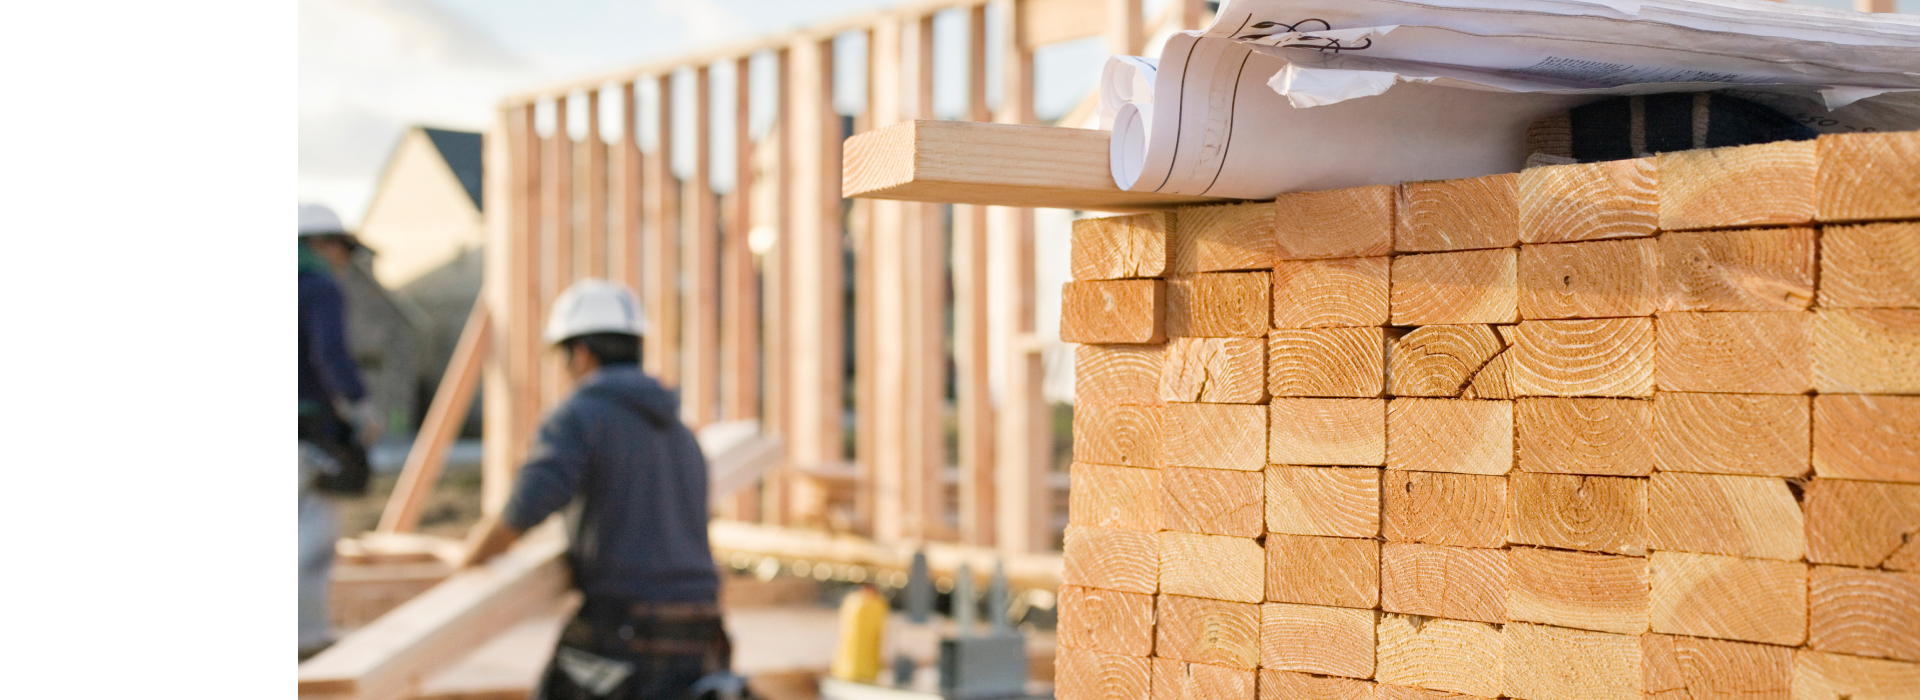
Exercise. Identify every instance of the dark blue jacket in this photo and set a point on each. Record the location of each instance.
(617, 451)
(326, 369)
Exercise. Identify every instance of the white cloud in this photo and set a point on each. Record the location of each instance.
(705, 20)
(370, 68)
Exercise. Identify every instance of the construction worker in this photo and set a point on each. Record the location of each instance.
(649, 626)
(333, 454)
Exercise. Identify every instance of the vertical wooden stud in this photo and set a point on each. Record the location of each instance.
(1022, 440)
(739, 297)
(596, 230)
(814, 298)
(700, 268)
(661, 259)
(973, 390)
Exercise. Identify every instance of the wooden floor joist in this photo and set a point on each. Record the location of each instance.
(388, 658)
(996, 164)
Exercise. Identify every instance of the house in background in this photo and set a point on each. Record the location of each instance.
(425, 228)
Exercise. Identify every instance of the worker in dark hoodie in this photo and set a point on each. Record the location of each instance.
(615, 450)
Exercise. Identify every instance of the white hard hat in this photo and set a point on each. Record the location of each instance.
(595, 306)
(318, 220)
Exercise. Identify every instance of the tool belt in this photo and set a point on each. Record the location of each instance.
(625, 629)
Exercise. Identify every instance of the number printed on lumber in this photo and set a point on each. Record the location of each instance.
(1597, 357)
(1589, 201)
(1874, 438)
(1869, 176)
(1462, 510)
(1680, 668)
(1589, 513)
(1758, 352)
(1441, 361)
(1107, 312)
(1749, 600)
(1212, 566)
(1598, 279)
(1334, 571)
(1744, 186)
(1870, 266)
(1866, 351)
(1457, 583)
(1462, 214)
(1202, 630)
(1323, 501)
(1212, 501)
(1468, 287)
(1086, 674)
(1864, 613)
(1553, 663)
(1340, 293)
(1605, 437)
(1111, 621)
(1863, 523)
(1450, 435)
(1820, 676)
(1118, 435)
(1224, 237)
(1214, 436)
(1327, 362)
(1755, 434)
(1351, 223)
(1127, 498)
(1349, 432)
(1214, 370)
(1118, 374)
(1454, 656)
(1180, 680)
(1109, 558)
(1581, 590)
(1747, 270)
(1317, 639)
(1122, 247)
(1286, 685)
(1218, 305)
(1747, 516)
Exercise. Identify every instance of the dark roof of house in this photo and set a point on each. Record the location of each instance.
(463, 154)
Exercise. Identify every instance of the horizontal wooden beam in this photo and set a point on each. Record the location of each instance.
(1024, 570)
(998, 164)
(1081, 26)
(387, 658)
(778, 40)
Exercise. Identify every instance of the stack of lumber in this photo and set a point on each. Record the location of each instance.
(1645, 428)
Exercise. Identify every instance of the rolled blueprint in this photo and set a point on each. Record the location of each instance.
(1284, 95)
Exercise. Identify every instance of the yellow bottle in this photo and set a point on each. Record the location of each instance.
(863, 614)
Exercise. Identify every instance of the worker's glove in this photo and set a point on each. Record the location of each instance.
(367, 422)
